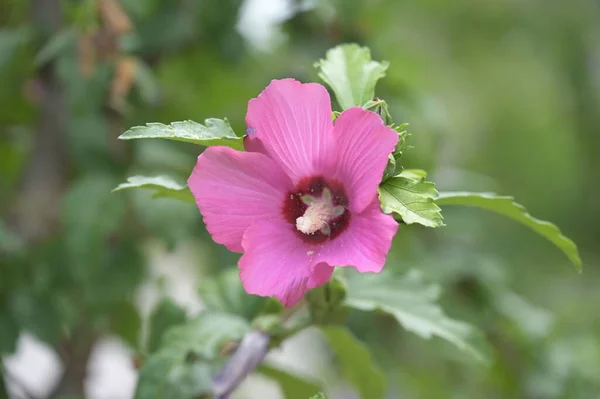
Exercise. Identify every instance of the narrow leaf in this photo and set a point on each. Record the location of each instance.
(412, 199)
(213, 132)
(413, 304)
(357, 365)
(163, 186)
(351, 74)
(58, 43)
(508, 207)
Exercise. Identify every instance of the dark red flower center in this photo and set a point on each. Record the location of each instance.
(318, 209)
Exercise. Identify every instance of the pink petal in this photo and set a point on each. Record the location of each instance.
(365, 243)
(276, 262)
(363, 144)
(292, 121)
(321, 273)
(234, 189)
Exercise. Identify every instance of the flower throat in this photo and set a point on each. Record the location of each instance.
(318, 209)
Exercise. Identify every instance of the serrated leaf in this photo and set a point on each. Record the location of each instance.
(356, 362)
(292, 386)
(508, 207)
(413, 304)
(213, 132)
(351, 74)
(416, 174)
(225, 293)
(183, 366)
(412, 199)
(166, 315)
(163, 186)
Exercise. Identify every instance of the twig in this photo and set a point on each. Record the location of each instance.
(248, 356)
(250, 353)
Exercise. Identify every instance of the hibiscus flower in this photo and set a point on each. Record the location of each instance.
(303, 197)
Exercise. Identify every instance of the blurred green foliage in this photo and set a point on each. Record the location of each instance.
(500, 96)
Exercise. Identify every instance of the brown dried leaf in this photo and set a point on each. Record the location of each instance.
(86, 54)
(122, 82)
(115, 18)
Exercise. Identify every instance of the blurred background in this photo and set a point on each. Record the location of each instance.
(501, 96)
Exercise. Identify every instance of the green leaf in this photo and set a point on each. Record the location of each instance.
(213, 132)
(163, 186)
(183, 366)
(413, 304)
(390, 168)
(292, 386)
(508, 207)
(127, 323)
(411, 198)
(37, 313)
(90, 213)
(351, 74)
(11, 40)
(534, 321)
(146, 83)
(357, 365)
(9, 332)
(226, 294)
(319, 396)
(57, 44)
(3, 390)
(10, 243)
(416, 174)
(166, 315)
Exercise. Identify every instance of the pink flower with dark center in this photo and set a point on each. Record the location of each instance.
(303, 198)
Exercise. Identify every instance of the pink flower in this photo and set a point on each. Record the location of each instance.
(303, 198)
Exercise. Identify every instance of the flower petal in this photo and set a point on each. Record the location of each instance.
(292, 121)
(321, 273)
(362, 146)
(234, 189)
(365, 243)
(276, 262)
